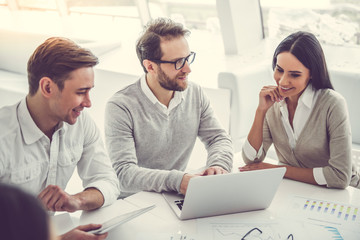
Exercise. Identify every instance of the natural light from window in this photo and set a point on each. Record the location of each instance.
(334, 22)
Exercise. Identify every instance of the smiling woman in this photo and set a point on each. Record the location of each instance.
(305, 119)
(291, 76)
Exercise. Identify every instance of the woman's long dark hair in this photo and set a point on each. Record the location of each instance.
(307, 49)
(21, 215)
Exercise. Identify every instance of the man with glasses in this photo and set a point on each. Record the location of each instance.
(151, 126)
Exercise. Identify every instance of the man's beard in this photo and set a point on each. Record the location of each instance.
(171, 84)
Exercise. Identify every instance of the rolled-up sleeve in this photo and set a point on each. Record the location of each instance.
(94, 167)
(249, 154)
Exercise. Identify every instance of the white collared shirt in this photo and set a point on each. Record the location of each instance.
(176, 100)
(28, 158)
(303, 110)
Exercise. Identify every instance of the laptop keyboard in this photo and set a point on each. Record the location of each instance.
(179, 203)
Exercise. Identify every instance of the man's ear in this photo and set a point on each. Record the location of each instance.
(149, 65)
(46, 86)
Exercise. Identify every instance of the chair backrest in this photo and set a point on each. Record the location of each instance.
(348, 85)
(106, 84)
(220, 102)
(13, 87)
(245, 87)
(356, 157)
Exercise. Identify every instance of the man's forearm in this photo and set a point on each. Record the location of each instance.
(90, 198)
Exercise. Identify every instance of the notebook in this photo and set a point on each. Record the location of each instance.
(227, 193)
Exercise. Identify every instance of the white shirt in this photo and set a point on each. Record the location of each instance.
(176, 100)
(302, 113)
(28, 158)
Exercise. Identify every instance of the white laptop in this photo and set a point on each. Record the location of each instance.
(227, 193)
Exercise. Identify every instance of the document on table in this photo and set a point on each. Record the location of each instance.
(324, 211)
(164, 236)
(304, 218)
(324, 216)
(237, 229)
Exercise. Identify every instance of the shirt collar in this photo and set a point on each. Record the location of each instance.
(31, 132)
(150, 95)
(306, 98)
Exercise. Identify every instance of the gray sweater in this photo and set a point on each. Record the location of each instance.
(150, 150)
(324, 142)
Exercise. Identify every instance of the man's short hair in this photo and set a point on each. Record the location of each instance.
(148, 45)
(56, 58)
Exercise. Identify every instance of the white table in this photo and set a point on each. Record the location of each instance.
(162, 219)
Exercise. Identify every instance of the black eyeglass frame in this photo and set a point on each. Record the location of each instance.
(185, 59)
(290, 236)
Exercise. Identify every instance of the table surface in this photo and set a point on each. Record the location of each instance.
(161, 219)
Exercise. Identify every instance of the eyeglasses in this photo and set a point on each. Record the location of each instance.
(253, 235)
(180, 63)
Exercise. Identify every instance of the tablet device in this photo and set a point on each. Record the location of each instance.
(116, 221)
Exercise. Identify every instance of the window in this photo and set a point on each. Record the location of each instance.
(199, 16)
(196, 14)
(122, 8)
(334, 22)
(38, 4)
(104, 19)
